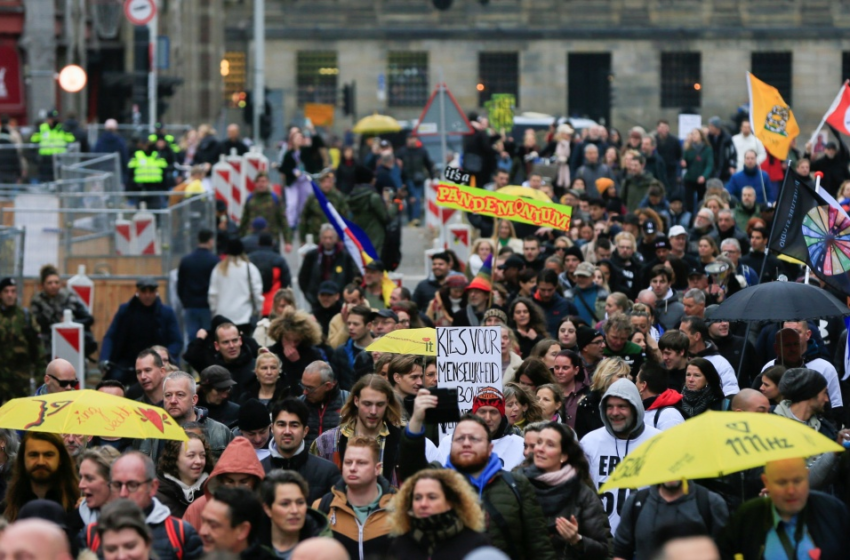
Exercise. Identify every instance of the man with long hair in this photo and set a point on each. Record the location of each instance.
(43, 470)
(370, 411)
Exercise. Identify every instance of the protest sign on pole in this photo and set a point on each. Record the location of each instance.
(505, 206)
(469, 359)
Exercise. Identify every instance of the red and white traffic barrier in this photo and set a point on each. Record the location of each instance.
(144, 231)
(123, 236)
(83, 286)
(68, 342)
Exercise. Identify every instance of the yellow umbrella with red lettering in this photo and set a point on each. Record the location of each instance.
(716, 444)
(89, 413)
(417, 342)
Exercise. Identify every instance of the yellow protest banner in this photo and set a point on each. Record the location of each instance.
(504, 206)
(771, 118)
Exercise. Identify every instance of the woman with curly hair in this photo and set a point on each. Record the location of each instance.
(267, 386)
(182, 469)
(521, 408)
(297, 335)
(587, 413)
(528, 322)
(283, 299)
(436, 515)
(575, 519)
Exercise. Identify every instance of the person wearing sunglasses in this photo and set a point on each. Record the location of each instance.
(59, 376)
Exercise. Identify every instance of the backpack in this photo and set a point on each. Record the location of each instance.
(173, 527)
(703, 506)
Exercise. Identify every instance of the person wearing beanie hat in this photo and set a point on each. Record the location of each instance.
(495, 317)
(805, 399)
(489, 405)
(591, 344)
(478, 297)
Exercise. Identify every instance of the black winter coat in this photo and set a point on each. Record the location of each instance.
(319, 473)
(588, 417)
(341, 271)
(324, 416)
(404, 547)
(291, 371)
(574, 498)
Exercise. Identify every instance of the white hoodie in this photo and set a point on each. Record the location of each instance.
(604, 451)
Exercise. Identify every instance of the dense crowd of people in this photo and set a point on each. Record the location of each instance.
(303, 443)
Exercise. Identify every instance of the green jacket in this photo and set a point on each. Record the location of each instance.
(369, 211)
(269, 206)
(700, 163)
(312, 217)
(524, 519)
(635, 189)
(21, 352)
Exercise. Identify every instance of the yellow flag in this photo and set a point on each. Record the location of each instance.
(771, 118)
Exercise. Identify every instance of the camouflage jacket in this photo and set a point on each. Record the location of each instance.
(272, 208)
(312, 217)
(48, 310)
(21, 352)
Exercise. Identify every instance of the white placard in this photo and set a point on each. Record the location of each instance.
(470, 359)
(687, 123)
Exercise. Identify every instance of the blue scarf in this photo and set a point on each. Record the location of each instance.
(493, 467)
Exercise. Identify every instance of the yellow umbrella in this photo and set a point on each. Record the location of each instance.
(89, 413)
(525, 192)
(376, 124)
(715, 444)
(418, 342)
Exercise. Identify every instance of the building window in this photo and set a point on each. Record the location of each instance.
(774, 68)
(408, 79)
(316, 77)
(681, 79)
(498, 72)
(845, 66)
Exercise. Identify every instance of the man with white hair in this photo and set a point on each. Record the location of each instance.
(593, 169)
(180, 393)
(703, 225)
(110, 142)
(728, 229)
(323, 397)
(732, 249)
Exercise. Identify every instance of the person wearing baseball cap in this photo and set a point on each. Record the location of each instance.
(385, 321)
(510, 274)
(585, 294)
(214, 395)
(142, 322)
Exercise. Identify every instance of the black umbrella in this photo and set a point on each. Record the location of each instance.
(780, 301)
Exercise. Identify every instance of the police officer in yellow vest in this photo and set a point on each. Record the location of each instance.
(147, 168)
(52, 139)
(160, 134)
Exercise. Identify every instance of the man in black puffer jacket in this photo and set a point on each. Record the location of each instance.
(289, 451)
(224, 346)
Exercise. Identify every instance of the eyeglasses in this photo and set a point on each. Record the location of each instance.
(65, 382)
(309, 390)
(471, 439)
(132, 485)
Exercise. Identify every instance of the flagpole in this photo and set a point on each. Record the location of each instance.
(764, 261)
(763, 188)
(832, 107)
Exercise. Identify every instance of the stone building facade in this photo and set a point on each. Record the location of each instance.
(653, 54)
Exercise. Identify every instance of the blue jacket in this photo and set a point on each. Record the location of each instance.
(193, 278)
(585, 302)
(110, 143)
(749, 178)
(556, 310)
(129, 334)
